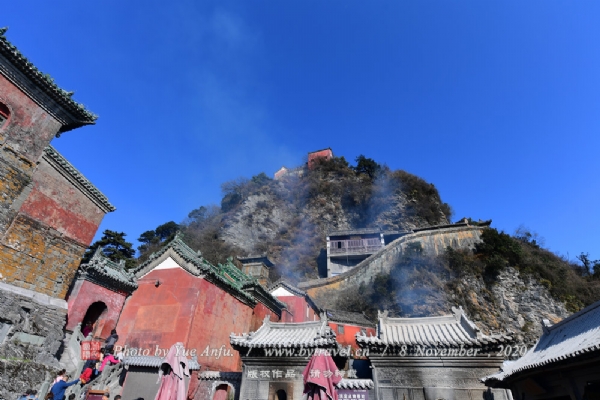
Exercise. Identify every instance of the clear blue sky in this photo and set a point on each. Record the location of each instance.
(496, 102)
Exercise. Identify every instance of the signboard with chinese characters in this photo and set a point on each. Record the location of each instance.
(344, 394)
(90, 350)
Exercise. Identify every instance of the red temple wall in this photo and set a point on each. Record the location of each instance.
(159, 315)
(29, 127)
(258, 316)
(84, 294)
(187, 309)
(55, 202)
(296, 307)
(349, 335)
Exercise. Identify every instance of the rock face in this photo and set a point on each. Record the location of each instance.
(31, 333)
(515, 302)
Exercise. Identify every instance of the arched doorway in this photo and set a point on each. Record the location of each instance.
(224, 392)
(280, 395)
(95, 316)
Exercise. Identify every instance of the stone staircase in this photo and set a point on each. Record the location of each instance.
(109, 380)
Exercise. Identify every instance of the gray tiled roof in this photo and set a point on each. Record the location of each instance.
(288, 286)
(348, 317)
(154, 362)
(355, 384)
(109, 273)
(446, 331)
(263, 258)
(359, 231)
(575, 336)
(84, 184)
(44, 81)
(280, 335)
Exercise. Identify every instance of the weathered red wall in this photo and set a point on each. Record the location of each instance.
(258, 316)
(160, 315)
(30, 128)
(49, 233)
(349, 335)
(218, 315)
(55, 202)
(187, 309)
(296, 307)
(84, 294)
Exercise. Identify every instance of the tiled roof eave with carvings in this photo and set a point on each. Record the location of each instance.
(287, 335)
(347, 317)
(575, 338)
(259, 292)
(288, 286)
(154, 362)
(450, 331)
(70, 172)
(109, 282)
(45, 83)
(103, 271)
(355, 384)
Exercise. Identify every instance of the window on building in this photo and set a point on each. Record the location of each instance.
(341, 329)
(4, 113)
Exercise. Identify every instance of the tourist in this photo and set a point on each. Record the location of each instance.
(106, 396)
(58, 389)
(32, 395)
(109, 344)
(61, 373)
(88, 364)
(106, 358)
(87, 329)
(117, 397)
(89, 373)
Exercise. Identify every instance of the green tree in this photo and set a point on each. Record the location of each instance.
(367, 166)
(261, 179)
(115, 247)
(166, 230)
(590, 267)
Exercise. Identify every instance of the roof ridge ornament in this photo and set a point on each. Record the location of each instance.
(546, 324)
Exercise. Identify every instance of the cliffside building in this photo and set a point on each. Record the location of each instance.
(346, 249)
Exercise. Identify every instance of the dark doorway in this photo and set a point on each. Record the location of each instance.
(95, 315)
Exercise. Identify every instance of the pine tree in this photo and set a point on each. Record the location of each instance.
(115, 247)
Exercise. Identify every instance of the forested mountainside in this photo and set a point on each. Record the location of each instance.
(505, 282)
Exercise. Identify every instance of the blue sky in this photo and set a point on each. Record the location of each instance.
(496, 103)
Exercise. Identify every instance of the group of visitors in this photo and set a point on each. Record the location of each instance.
(91, 369)
(30, 394)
